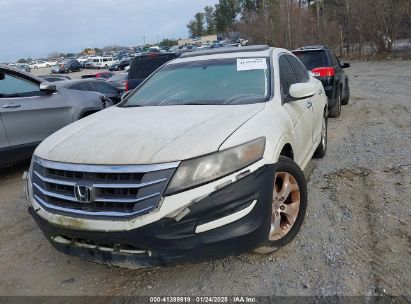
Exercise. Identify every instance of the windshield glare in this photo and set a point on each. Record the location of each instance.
(211, 82)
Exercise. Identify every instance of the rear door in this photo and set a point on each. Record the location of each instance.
(28, 114)
(107, 90)
(337, 67)
(299, 111)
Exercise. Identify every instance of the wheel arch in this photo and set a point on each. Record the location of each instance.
(287, 151)
(284, 148)
(87, 112)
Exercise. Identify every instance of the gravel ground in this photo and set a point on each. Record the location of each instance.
(355, 239)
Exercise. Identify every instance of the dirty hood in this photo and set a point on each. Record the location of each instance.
(146, 135)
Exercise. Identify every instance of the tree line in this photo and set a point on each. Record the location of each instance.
(350, 26)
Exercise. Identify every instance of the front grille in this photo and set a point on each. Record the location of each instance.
(115, 191)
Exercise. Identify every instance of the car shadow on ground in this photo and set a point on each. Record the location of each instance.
(19, 167)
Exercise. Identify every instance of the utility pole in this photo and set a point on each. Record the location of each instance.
(144, 40)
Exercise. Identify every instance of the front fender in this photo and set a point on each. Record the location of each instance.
(284, 139)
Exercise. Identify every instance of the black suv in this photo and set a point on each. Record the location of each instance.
(121, 65)
(325, 66)
(66, 66)
(142, 66)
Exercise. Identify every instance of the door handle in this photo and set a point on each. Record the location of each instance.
(320, 92)
(11, 106)
(309, 104)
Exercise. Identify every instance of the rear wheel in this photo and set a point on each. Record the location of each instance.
(335, 111)
(289, 204)
(347, 95)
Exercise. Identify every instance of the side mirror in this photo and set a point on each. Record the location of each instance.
(48, 87)
(2, 76)
(345, 65)
(125, 95)
(302, 90)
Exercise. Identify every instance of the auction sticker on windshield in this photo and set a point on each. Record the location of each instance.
(246, 64)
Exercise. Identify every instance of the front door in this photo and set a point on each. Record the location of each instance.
(28, 114)
(299, 111)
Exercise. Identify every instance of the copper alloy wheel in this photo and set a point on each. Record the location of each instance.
(285, 205)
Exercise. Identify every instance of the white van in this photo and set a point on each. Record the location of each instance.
(102, 62)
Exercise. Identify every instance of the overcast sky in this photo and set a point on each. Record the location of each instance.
(36, 28)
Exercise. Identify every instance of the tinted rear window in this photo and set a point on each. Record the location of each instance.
(143, 66)
(313, 59)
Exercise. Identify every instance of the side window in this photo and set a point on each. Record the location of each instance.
(287, 77)
(80, 86)
(299, 69)
(13, 86)
(334, 60)
(105, 88)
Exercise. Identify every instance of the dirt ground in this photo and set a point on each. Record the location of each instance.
(355, 239)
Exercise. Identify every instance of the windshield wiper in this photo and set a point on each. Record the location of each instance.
(132, 106)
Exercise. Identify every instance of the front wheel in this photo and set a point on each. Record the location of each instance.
(289, 204)
(322, 146)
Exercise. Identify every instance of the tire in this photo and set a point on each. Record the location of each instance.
(280, 234)
(322, 146)
(345, 101)
(335, 111)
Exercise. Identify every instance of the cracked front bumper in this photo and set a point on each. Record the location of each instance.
(234, 219)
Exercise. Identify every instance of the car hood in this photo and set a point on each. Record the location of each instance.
(146, 135)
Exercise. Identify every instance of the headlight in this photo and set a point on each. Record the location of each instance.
(204, 169)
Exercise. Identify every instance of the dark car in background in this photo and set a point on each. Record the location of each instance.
(23, 66)
(93, 85)
(120, 65)
(66, 66)
(119, 81)
(325, 66)
(142, 66)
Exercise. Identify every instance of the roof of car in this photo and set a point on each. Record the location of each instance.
(311, 48)
(253, 48)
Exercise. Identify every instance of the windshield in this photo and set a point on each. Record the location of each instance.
(214, 82)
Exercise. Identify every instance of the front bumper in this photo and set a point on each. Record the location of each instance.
(169, 241)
